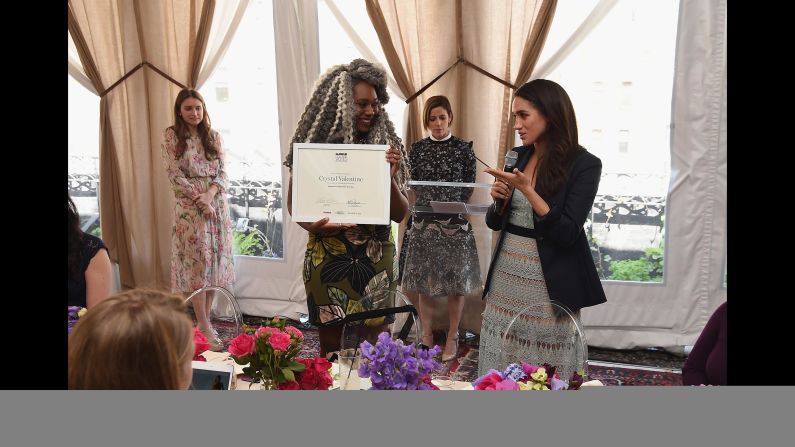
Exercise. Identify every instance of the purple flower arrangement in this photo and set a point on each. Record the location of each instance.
(391, 365)
(73, 314)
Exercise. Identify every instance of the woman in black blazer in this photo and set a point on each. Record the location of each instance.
(542, 253)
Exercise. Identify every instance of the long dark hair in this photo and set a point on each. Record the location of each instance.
(561, 133)
(75, 237)
(183, 131)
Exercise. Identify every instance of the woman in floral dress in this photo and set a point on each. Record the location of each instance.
(201, 242)
(344, 263)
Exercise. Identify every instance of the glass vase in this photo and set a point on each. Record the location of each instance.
(268, 384)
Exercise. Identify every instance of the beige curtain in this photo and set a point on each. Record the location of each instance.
(269, 287)
(421, 40)
(137, 55)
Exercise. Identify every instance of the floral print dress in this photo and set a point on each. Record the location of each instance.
(342, 268)
(201, 249)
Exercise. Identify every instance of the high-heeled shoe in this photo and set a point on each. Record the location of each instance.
(451, 356)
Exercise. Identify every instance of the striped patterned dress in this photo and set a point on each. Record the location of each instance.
(539, 335)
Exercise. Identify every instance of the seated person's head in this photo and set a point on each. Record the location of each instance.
(139, 339)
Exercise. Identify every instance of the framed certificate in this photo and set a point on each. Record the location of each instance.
(348, 183)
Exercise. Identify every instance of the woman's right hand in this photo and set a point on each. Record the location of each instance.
(500, 191)
(207, 211)
(323, 226)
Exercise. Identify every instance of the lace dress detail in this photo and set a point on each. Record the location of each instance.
(441, 256)
(538, 336)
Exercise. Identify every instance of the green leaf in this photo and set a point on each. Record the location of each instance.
(318, 253)
(338, 297)
(242, 360)
(296, 366)
(377, 282)
(334, 246)
(288, 374)
(307, 268)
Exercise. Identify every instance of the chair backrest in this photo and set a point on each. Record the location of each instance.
(545, 333)
(388, 310)
(225, 314)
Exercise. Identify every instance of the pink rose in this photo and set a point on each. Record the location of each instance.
(200, 341)
(293, 331)
(489, 381)
(321, 365)
(242, 345)
(289, 386)
(279, 340)
(264, 330)
(316, 374)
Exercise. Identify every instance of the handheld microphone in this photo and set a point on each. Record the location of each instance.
(510, 162)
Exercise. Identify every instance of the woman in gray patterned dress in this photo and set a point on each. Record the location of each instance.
(543, 253)
(441, 256)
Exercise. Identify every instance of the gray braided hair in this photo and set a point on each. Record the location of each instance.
(329, 115)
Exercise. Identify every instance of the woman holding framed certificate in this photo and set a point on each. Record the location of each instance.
(345, 262)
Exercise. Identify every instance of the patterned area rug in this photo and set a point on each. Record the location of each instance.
(652, 372)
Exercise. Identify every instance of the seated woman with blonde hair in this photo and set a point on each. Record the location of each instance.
(136, 340)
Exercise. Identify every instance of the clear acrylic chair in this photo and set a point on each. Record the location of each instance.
(225, 319)
(545, 333)
(386, 310)
(383, 310)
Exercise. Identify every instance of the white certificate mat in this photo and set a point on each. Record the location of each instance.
(348, 183)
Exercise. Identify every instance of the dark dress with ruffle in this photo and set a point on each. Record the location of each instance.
(441, 257)
(76, 285)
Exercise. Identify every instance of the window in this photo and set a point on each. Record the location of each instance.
(623, 141)
(83, 164)
(241, 99)
(222, 93)
(620, 79)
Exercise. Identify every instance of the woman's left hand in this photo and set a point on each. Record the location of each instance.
(393, 158)
(515, 179)
(205, 198)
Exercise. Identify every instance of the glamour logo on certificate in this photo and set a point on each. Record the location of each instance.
(348, 183)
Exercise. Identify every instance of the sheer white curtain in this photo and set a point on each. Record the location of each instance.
(264, 286)
(226, 19)
(363, 48)
(76, 68)
(594, 18)
(672, 315)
